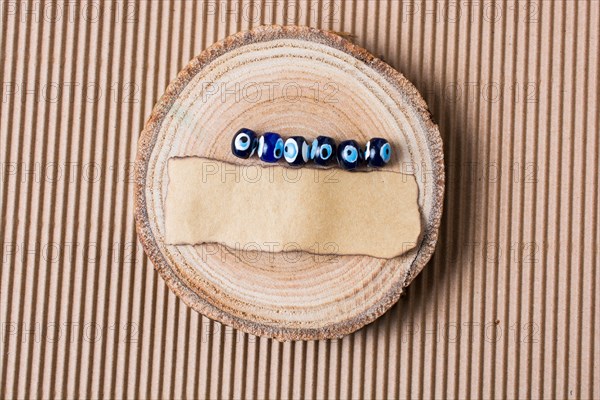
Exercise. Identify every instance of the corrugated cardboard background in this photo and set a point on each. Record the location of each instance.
(508, 307)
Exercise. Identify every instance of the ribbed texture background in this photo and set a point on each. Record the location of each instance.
(508, 307)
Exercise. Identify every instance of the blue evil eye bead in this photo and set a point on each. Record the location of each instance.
(244, 143)
(378, 152)
(322, 150)
(348, 154)
(270, 147)
(296, 150)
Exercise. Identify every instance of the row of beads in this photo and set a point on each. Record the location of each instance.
(296, 150)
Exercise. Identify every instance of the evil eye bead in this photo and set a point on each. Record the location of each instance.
(322, 150)
(348, 154)
(270, 147)
(296, 150)
(244, 143)
(378, 152)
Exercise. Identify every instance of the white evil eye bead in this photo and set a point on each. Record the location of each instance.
(244, 143)
(324, 150)
(261, 146)
(378, 152)
(348, 154)
(313, 149)
(270, 147)
(367, 151)
(305, 151)
(295, 150)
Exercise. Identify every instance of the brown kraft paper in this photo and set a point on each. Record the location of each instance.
(275, 208)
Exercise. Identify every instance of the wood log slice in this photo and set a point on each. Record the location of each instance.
(291, 80)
